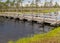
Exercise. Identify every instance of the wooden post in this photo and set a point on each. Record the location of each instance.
(43, 21)
(32, 10)
(56, 18)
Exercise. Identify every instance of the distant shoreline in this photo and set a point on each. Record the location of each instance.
(31, 10)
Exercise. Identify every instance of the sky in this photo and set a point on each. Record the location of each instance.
(42, 1)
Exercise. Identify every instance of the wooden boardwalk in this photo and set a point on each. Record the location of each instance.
(30, 17)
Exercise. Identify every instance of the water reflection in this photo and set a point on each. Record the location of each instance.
(13, 30)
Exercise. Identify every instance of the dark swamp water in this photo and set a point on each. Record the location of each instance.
(11, 29)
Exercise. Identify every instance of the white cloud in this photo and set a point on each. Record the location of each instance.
(40, 4)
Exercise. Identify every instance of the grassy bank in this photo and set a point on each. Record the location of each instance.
(28, 11)
(50, 37)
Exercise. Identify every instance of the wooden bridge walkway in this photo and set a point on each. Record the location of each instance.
(30, 17)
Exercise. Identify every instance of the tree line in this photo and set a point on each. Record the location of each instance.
(18, 3)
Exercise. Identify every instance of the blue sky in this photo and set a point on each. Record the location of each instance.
(41, 0)
(44, 0)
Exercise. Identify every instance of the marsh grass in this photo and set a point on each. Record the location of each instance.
(33, 11)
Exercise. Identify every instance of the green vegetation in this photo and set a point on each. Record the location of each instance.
(46, 10)
(50, 37)
(17, 6)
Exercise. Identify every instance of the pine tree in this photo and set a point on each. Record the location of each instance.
(36, 1)
(45, 4)
(51, 3)
(56, 5)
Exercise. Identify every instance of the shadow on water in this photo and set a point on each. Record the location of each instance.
(11, 29)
